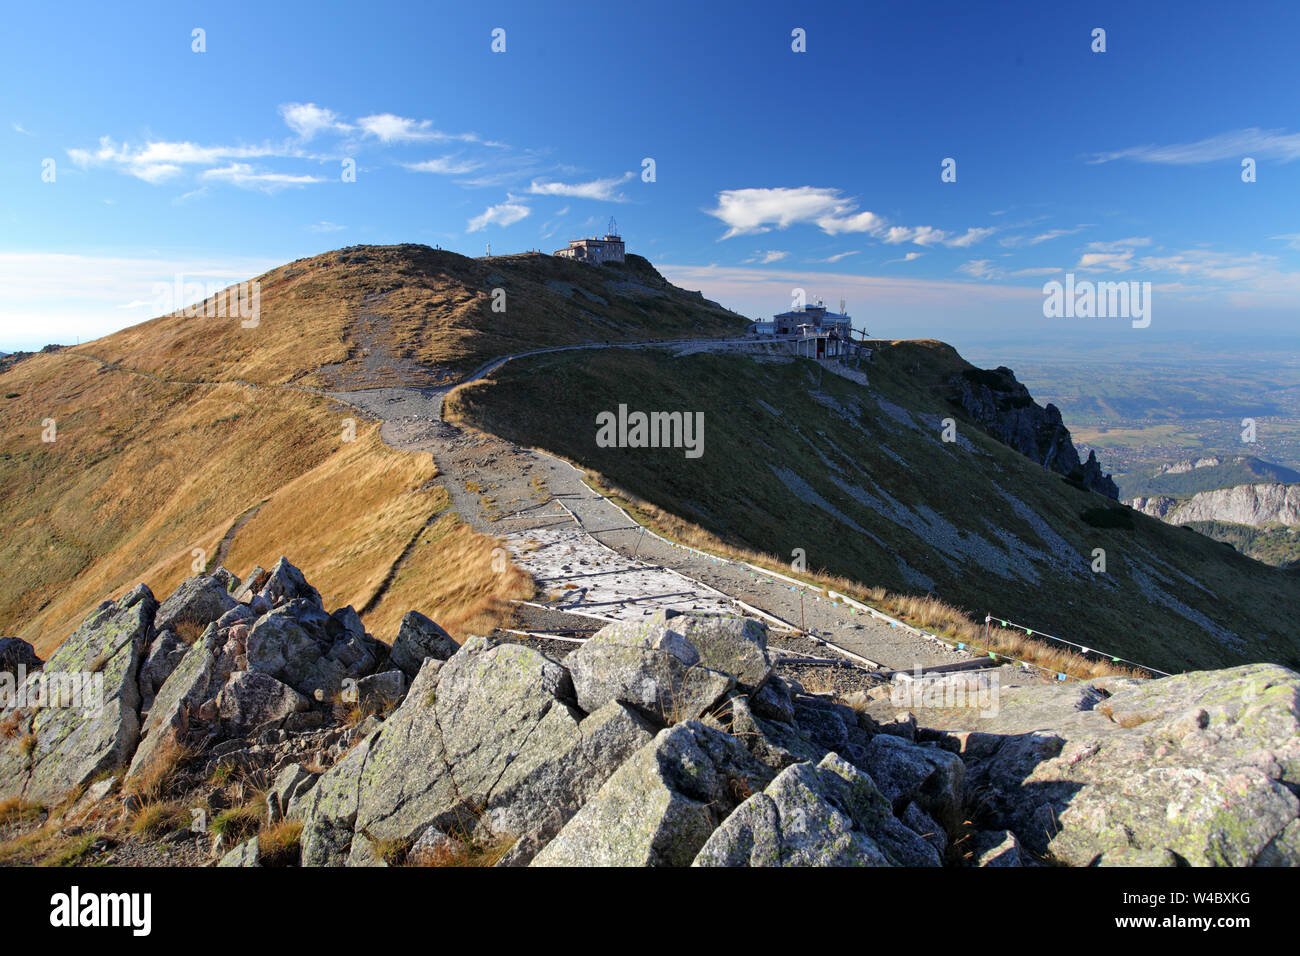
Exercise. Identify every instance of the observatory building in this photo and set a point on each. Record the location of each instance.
(594, 250)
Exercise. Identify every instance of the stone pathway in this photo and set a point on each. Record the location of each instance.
(585, 553)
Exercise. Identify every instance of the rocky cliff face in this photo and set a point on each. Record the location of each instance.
(668, 741)
(1254, 505)
(1004, 408)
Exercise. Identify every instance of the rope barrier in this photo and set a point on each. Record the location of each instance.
(1083, 649)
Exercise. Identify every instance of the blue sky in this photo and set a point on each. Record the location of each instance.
(773, 169)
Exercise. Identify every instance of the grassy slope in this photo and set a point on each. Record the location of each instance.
(427, 312)
(949, 494)
(148, 467)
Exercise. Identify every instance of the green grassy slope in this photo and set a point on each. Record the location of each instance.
(795, 457)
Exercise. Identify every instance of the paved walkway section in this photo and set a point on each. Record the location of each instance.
(587, 555)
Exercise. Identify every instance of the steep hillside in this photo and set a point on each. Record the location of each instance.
(188, 440)
(795, 457)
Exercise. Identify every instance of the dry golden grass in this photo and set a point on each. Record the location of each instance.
(449, 576)
(158, 818)
(238, 823)
(156, 778)
(342, 511)
(169, 431)
(15, 810)
(921, 611)
(280, 843)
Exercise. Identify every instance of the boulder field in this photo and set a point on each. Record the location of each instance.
(667, 741)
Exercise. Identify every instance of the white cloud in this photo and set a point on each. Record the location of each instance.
(445, 165)
(1292, 239)
(601, 189)
(1214, 266)
(771, 255)
(160, 160)
(979, 269)
(308, 119)
(1119, 245)
(246, 177)
(1236, 144)
(326, 226)
(391, 128)
(502, 214)
(858, 222)
(1106, 261)
(19, 129)
(1013, 241)
(396, 129)
(841, 255)
(749, 211)
(969, 238)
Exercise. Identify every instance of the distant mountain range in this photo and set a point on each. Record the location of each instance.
(1247, 502)
(1191, 476)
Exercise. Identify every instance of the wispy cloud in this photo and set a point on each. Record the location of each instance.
(160, 160)
(841, 255)
(19, 129)
(445, 165)
(1254, 142)
(601, 189)
(391, 128)
(247, 177)
(771, 255)
(326, 226)
(1012, 242)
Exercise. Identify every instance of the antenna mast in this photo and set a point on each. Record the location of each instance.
(613, 226)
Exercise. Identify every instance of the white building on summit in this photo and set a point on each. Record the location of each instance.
(594, 250)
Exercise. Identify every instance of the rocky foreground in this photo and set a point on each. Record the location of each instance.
(666, 741)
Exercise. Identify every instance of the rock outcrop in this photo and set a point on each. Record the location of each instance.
(1254, 505)
(667, 741)
(83, 713)
(1199, 768)
(1003, 407)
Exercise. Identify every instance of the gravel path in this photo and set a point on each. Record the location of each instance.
(599, 561)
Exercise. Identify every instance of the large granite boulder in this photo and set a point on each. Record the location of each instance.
(828, 814)
(661, 805)
(418, 638)
(285, 583)
(647, 664)
(88, 723)
(1204, 766)
(248, 700)
(196, 679)
(161, 658)
(313, 652)
(195, 604)
(486, 745)
(729, 645)
(16, 653)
